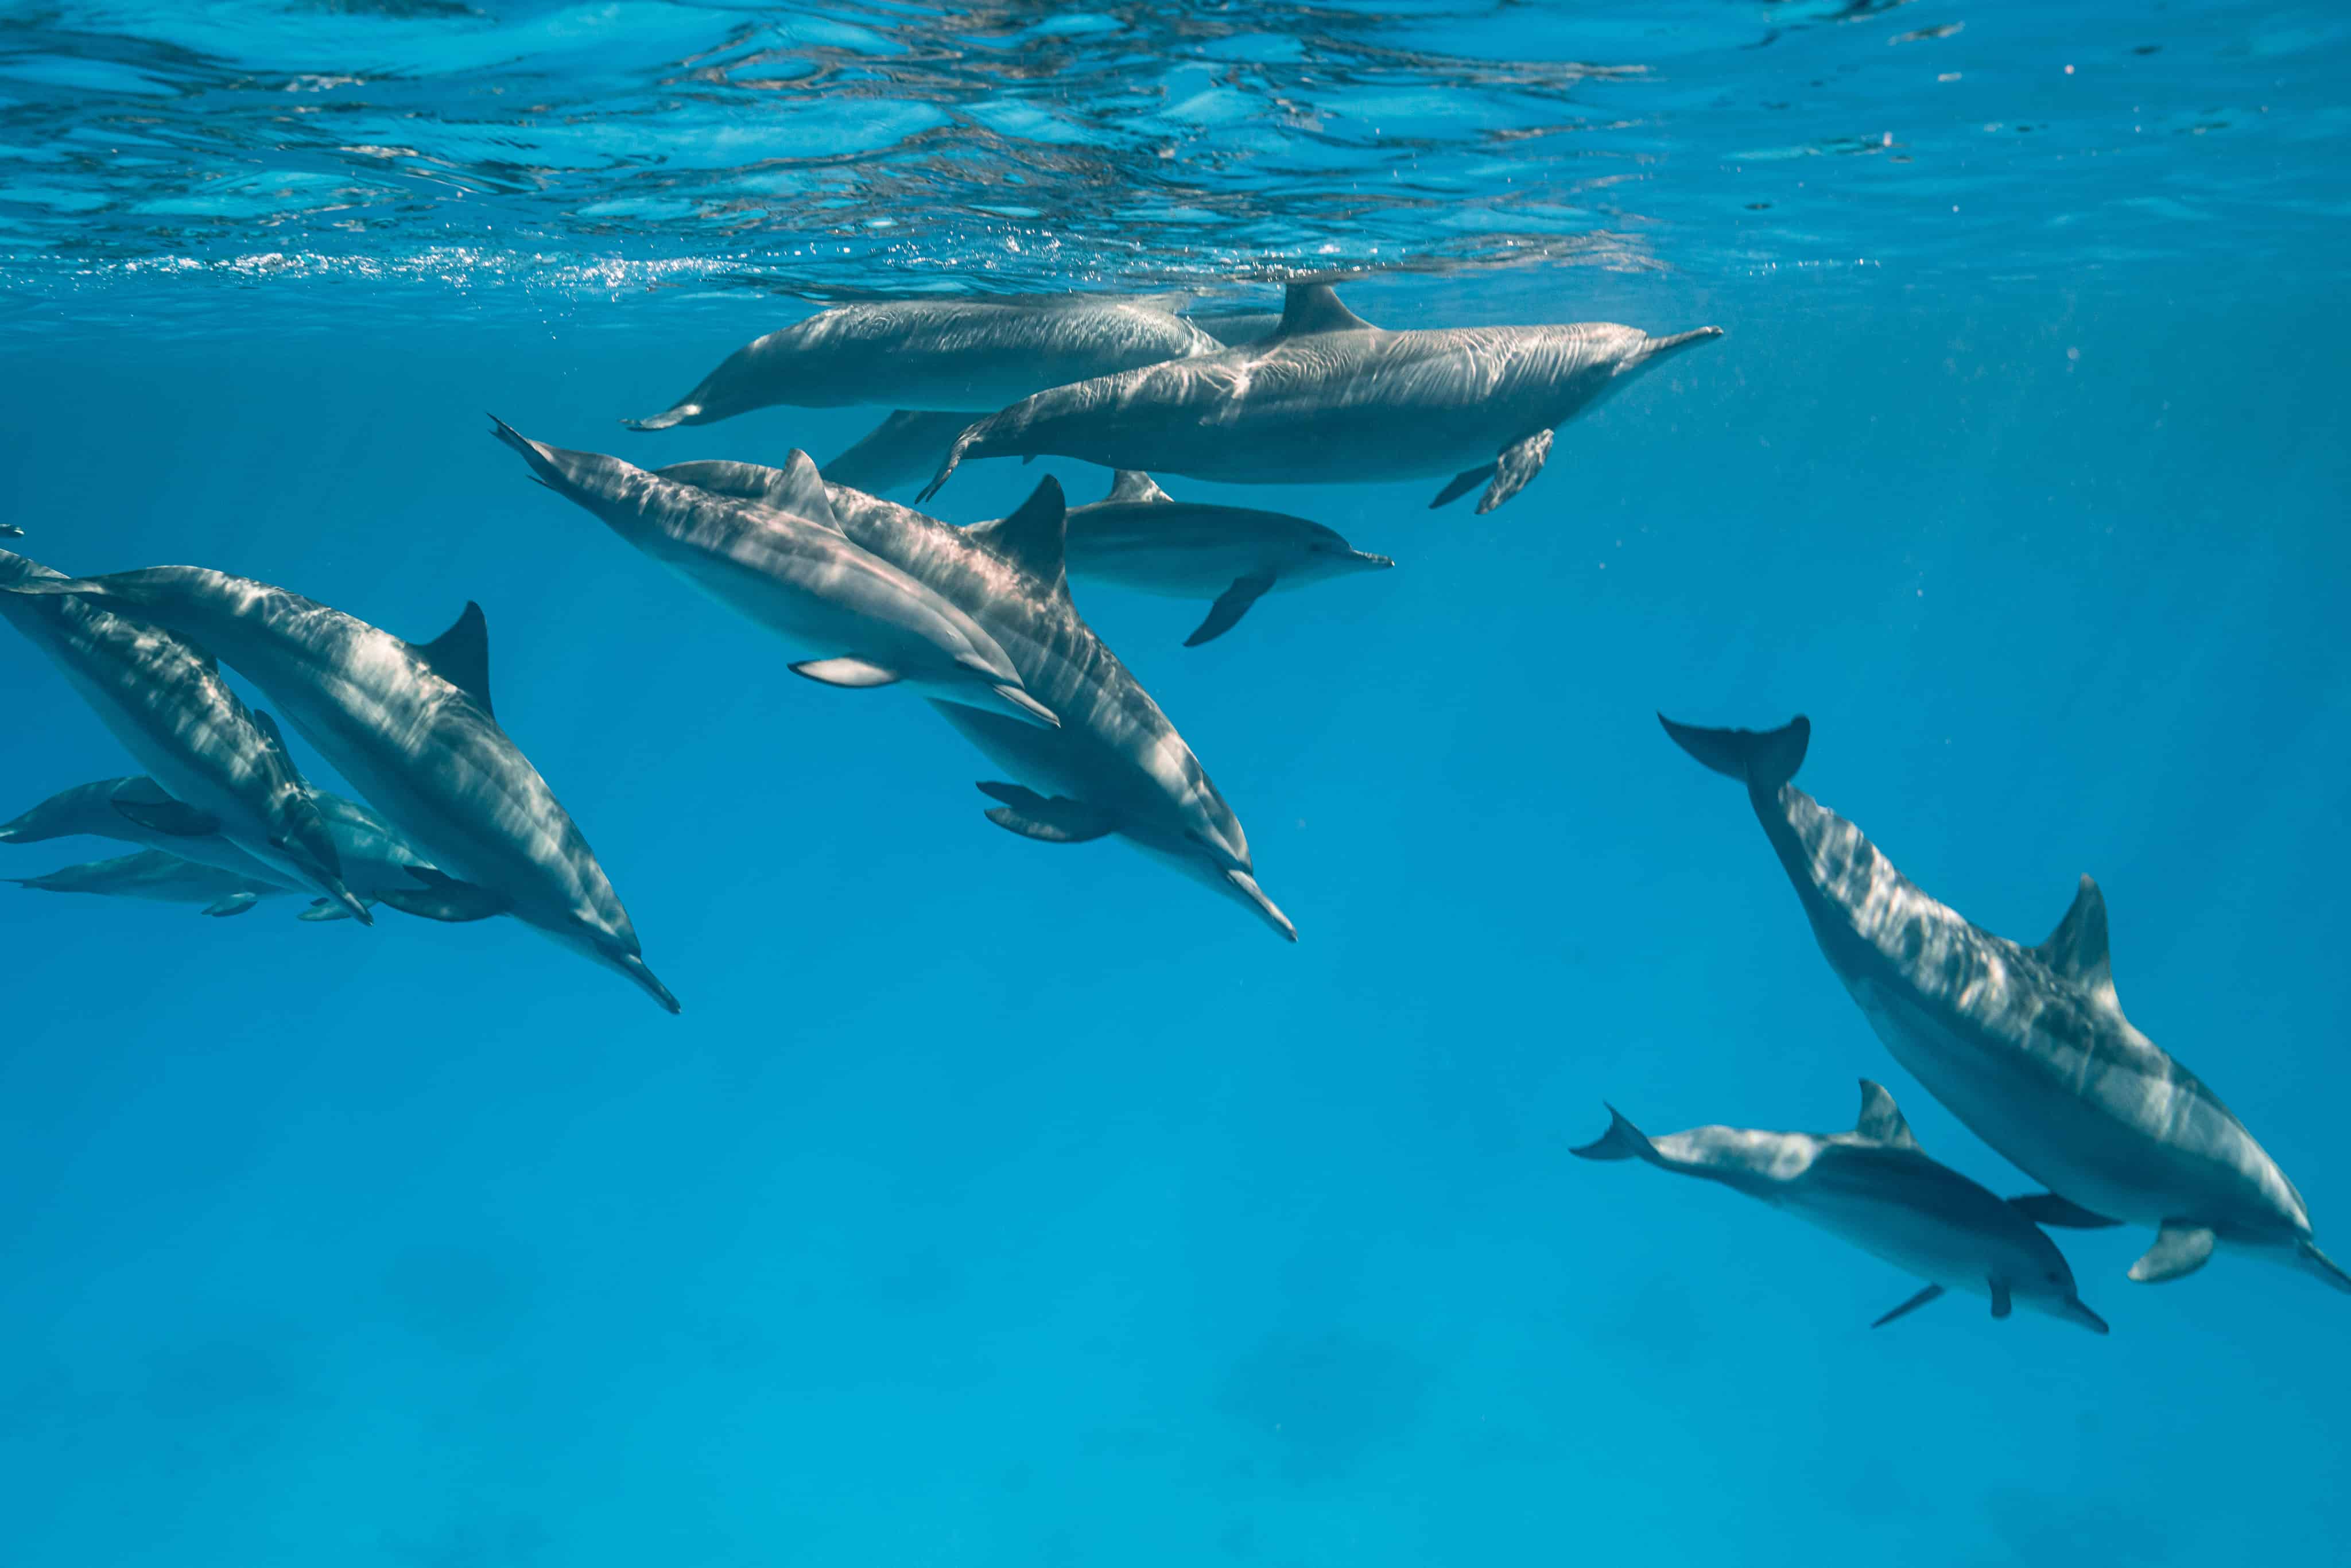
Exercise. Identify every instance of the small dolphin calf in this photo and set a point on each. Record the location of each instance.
(2028, 1046)
(1142, 537)
(411, 725)
(966, 355)
(1872, 1186)
(222, 778)
(1329, 398)
(1115, 765)
(162, 878)
(782, 561)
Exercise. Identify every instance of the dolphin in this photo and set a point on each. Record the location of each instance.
(1875, 1188)
(376, 859)
(1329, 398)
(902, 450)
(1115, 765)
(221, 777)
(411, 724)
(782, 561)
(160, 876)
(1142, 537)
(2027, 1046)
(966, 355)
(11, 532)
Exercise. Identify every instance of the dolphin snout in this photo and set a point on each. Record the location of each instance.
(630, 965)
(1246, 885)
(2072, 1311)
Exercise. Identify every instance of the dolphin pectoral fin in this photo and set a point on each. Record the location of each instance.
(444, 898)
(2311, 1260)
(1521, 461)
(855, 675)
(1931, 1293)
(1231, 606)
(2002, 1305)
(2179, 1249)
(176, 817)
(1622, 1141)
(2048, 1208)
(234, 904)
(1461, 483)
(1055, 820)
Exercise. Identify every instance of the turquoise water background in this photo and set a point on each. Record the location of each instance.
(994, 1203)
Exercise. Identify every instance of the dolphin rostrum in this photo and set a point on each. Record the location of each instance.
(411, 725)
(377, 862)
(1329, 398)
(1875, 1188)
(2027, 1046)
(222, 779)
(966, 355)
(1115, 765)
(903, 449)
(161, 877)
(1144, 538)
(782, 561)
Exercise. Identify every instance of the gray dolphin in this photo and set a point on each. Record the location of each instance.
(411, 725)
(1875, 1188)
(782, 561)
(1142, 537)
(1115, 765)
(376, 859)
(1329, 398)
(2028, 1046)
(221, 774)
(161, 877)
(969, 355)
(904, 449)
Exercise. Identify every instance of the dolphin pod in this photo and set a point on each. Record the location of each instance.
(1875, 1188)
(1141, 537)
(1329, 398)
(2027, 1046)
(411, 724)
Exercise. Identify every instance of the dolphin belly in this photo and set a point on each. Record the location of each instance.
(1895, 1234)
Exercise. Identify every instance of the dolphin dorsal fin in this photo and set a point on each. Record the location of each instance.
(2077, 949)
(1315, 307)
(1133, 487)
(461, 656)
(270, 730)
(1881, 1119)
(1034, 539)
(798, 488)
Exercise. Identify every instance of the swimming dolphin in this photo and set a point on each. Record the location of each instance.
(782, 561)
(968, 355)
(1330, 399)
(1115, 765)
(161, 877)
(1875, 1188)
(2028, 1046)
(221, 777)
(1142, 537)
(411, 725)
(376, 861)
(902, 450)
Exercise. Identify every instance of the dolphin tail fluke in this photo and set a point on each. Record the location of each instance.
(2311, 1260)
(1762, 760)
(1622, 1141)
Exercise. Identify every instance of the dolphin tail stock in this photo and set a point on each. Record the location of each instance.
(2311, 1260)
(1622, 1141)
(1762, 759)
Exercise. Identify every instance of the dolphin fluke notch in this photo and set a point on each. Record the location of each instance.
(1762, 760)
(1622, 1141)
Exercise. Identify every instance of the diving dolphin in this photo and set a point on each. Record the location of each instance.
(379, 865)
(1875, 1188)
(222, 778)
(2028, 1046)
(1142, 537)
(782, 562)
(966, 355)
(161, 877)
(902, 450)
(411, 725)
(1330, 399)
(1115, 765)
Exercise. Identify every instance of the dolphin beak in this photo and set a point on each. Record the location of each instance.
(1656, 348)
(629, 964)
(2074, 1311)
(1371, 562)
(359, 911)
(2311, 1260)
(1029, 707)
(1249, 889)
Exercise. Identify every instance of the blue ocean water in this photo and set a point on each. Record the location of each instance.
(997, 1203)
